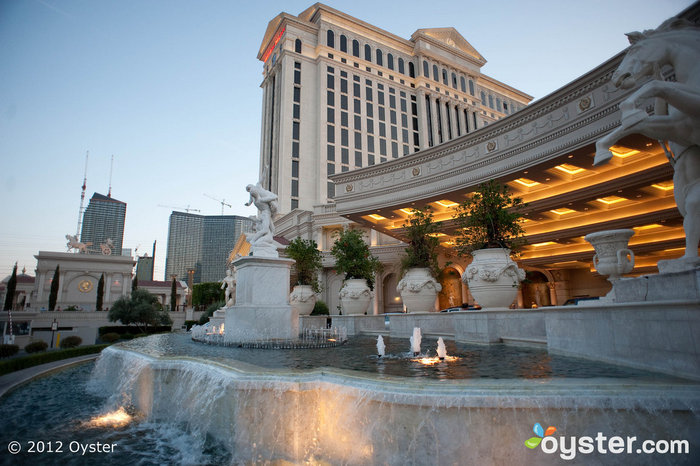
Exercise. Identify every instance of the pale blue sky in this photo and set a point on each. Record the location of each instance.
(171, 89)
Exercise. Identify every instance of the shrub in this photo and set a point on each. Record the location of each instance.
(422, 247)
(16, 364)
(127, 336)
(353, 257)
(189, 324)
(307, 259)
(320, 309)
(8, 350)
(110, 337)
(36, 347)
(210, 311)
(139, 335)
(71, 342)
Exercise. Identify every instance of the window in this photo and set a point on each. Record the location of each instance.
(483, 98)
(297, 76)
(356, 105)
(297, 94)
(344, 156)
(444, 76)
(490, 101)
(330, 99)
(344, 138)
(402, 68)
(355, 48)
(330, 133)
(358, 159)
(358, 144)
(343, 102)
(454, 80)
(463, 84)
(343, 43)
(390, 61)
(330, 169)
(426, 69)
(331, 115)
(370, 126)
(411, 70)
(331, 190)
(370, 143)
(358, 122)
(368, 94)
(343, 118)
(380, 61)
(344, 86)
(498, 105)
(295, 188)
(296, 111)
(295, 149)
(471, 87)
(330, 155)
(368, 52)
(330, 39)
(435, 73)
(297, 46)
(330, 82)
(356, 89)
(295, 169)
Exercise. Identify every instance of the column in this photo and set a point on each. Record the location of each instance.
(445, 123)
(453, 119)
(422, 120)
(108, 289)
(40, 294)
(463, 121)
(61, 284)
(477, 117)
(378, 293)
(435, 119)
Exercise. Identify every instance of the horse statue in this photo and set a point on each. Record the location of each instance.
(74, 243)
(676, 119)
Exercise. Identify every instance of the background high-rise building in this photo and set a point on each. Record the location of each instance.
(202, 243)
(340, 94)
(104, 219)
(144, 268)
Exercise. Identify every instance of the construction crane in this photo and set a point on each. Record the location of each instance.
(187, 209)
(222, 201)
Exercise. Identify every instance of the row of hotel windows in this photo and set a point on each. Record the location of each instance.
(390, 143)
(296, 122)
(448, 78)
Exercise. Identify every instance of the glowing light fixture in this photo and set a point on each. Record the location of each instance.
(562, 211)
(407, 211)
(446, 203)
(528, 183)
(664, 185)
(569, 169)
(376, 217)
(546, 243)
(611, 199)
(623, 152)
(118, 418)
(651, 226)
(437, 235)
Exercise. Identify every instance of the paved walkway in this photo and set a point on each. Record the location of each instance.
(14, 379)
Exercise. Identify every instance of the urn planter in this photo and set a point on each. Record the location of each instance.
(355, 296)
(418, 290)
(493, 277)
(612, 256)
(302, 298)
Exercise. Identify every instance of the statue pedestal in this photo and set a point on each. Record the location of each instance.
(683, 285)
(262, 310)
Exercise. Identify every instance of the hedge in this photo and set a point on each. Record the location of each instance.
(122, 329)
(16, 364)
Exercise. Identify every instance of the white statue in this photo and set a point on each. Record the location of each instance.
(676, 120)
(229, 283)
(74, 243)
(107, 246)
(263, 243)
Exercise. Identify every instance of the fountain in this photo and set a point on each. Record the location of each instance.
(381, 347)
(441, 350)
(415, 341)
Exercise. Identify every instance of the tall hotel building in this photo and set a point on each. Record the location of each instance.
(201, 243)
(104, 219)
(340, 94)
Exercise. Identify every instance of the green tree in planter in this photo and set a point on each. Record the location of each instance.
(308, 262)
(353, 258)
(491, 218)
(173, 296)
(53, 294)
(100, 293)
(422, 247)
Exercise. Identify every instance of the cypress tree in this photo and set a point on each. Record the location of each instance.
(134, 283)
(173, 296)
(11, 286)
(53, 295)
(100, 293)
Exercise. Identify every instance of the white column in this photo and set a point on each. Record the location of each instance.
(444, 126)
(463, 122)
(108, 288)
(378, 293)
(42, 283)
(453, 119)
(435, 119)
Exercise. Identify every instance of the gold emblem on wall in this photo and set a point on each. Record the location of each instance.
(85, 286)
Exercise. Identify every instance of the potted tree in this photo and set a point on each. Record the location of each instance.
(308, 263)
(490, 229)
(418, 287)
(354, 260)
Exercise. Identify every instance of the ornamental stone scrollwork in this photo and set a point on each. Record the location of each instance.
(491, 273)
(355, 293)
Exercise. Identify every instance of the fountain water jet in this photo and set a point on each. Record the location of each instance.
(381, 347)
(415, 341)
(441, 350)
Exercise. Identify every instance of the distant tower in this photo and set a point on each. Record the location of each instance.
(82, 196)
(104, 219)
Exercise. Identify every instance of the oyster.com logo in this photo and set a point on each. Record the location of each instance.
(534, 442)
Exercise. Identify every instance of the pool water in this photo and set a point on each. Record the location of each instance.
(53, 413)
(466, 361)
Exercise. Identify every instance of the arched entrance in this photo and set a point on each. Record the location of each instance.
(451, 294)
(392, 299)
(535, 290)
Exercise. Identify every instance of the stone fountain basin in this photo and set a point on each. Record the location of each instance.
(350, 417)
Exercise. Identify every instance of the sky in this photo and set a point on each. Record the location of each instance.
(171, 89)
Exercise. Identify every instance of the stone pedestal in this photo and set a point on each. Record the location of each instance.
(262, 310)
(668, 286)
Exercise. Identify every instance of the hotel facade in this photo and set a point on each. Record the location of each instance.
(360, 126)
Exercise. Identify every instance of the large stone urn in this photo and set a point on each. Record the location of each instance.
(493, 277)
(355, 296)
(302, 298)
(418, 290)
(612, 256)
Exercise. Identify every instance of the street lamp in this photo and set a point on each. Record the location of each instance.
(54, 327)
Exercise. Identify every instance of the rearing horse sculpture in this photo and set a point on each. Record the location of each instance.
(676, 120)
